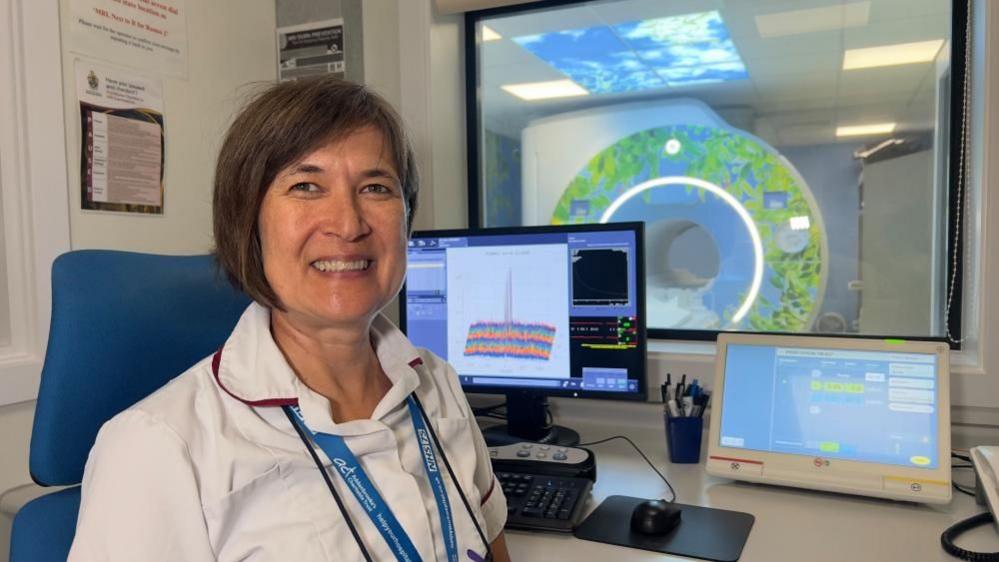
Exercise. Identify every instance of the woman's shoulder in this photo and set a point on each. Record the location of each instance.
(178, 409)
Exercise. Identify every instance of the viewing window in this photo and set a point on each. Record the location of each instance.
(790, 160)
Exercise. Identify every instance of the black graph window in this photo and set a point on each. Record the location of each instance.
(600, 277)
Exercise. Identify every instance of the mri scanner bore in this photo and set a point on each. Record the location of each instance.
(734, 238)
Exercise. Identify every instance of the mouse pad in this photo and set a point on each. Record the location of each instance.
(703, 532)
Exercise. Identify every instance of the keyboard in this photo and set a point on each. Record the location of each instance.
(544, 503)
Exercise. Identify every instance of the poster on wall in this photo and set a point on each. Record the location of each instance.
(310, 49)
(121, 125)
(150, 35)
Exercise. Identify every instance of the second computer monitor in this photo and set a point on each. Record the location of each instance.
(532, 312)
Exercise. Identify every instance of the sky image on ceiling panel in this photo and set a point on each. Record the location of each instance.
(642, 55)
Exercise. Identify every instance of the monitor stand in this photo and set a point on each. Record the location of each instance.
(527, 420)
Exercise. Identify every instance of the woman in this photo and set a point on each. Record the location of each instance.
(315, 191)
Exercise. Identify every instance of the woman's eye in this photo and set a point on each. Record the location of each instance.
(305, 187)
(376, 188)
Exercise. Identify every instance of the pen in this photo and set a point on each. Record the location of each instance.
(673, 410)
(688, 405)
(701, 403)
(695, 389)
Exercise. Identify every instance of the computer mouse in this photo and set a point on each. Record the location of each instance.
(655, 517)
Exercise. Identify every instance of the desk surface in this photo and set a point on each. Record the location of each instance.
(791, 524)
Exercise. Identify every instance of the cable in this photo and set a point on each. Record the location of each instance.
(948, 536)
(963, 173)
(962, 489)
(484, 410)
(632, 443)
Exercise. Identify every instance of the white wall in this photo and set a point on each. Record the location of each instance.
(381, 48)
(4, 307)
(231, 44)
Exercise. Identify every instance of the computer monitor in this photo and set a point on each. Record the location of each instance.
(532, 312)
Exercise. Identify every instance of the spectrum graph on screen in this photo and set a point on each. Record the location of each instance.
(510, 317)
(509, 337)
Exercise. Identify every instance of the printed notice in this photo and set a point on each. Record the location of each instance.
(121, 118)
(150, 35)
(309, 49)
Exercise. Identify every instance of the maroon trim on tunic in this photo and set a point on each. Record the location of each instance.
(485, 498)
(217, 360)
(415, 362)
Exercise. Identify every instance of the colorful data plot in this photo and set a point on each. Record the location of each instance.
(510, 339)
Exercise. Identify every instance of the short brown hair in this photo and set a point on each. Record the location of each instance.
(278, 127)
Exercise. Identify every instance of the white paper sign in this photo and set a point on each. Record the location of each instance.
(122, 140)
(310, 49)
(150, 35)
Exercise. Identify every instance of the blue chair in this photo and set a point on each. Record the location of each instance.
(123, 324)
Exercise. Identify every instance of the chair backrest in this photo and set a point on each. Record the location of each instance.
(123, 324)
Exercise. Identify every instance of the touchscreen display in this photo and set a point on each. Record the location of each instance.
(869, 406)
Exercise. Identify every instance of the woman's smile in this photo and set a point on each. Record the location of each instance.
(342, 265)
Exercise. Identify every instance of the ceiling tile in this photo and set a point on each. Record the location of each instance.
(875, 83)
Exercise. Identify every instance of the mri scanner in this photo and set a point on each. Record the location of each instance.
(734, 237)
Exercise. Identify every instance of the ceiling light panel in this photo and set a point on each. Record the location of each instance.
(688, 49)
(892, 55)
(489, 35)
(865, 130)
(545, 90)
(642, 55)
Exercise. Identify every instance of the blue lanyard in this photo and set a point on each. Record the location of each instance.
(436, 482)
(350, 470)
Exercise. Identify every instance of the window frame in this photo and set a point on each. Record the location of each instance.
(956, 234)
(34, 177)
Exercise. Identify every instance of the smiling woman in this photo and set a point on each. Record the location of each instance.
(333, 232)
(277, 134)
(316, 400)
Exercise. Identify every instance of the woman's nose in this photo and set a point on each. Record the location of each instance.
(344, 218)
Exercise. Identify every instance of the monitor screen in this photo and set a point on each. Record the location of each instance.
(557, 309)
(859, 405)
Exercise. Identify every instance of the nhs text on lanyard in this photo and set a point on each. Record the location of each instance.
(348, 467)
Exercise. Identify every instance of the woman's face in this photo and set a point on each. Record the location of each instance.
(333, 232)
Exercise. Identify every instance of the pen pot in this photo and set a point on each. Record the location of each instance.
(683, 438)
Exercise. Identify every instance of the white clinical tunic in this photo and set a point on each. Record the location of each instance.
(209, 468)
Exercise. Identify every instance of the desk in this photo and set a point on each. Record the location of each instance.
(791, 524)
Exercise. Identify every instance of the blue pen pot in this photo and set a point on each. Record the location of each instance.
(683, 438)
